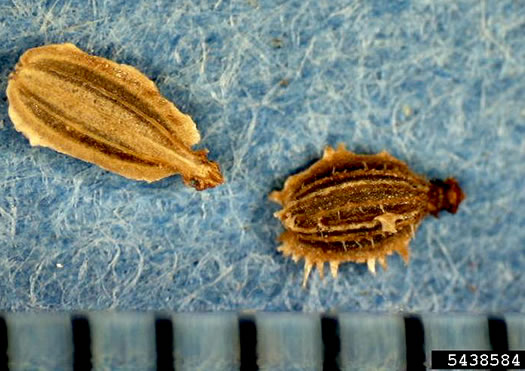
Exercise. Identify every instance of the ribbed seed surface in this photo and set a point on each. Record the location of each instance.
(105, 113)
(357, 208)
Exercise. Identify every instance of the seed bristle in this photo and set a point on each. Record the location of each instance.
(372, 266)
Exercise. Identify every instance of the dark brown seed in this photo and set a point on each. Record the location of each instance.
(105, 113)
(357, 208)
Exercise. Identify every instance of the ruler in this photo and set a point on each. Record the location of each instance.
(245, 341)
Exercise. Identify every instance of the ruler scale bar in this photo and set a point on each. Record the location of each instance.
(164, 344)
(499, 339)
(81, 343)
(250, 341)
(4, 361)
(331, 343)
(415, 343)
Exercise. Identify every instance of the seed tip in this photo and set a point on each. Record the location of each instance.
(454, 195)
(212, 179)
(445, 195)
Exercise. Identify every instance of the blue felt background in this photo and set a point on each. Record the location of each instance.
(441, 85)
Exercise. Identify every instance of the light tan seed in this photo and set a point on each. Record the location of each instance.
(105, 113)
(357, 208)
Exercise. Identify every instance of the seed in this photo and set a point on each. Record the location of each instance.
(357, 208)
(105, 113)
